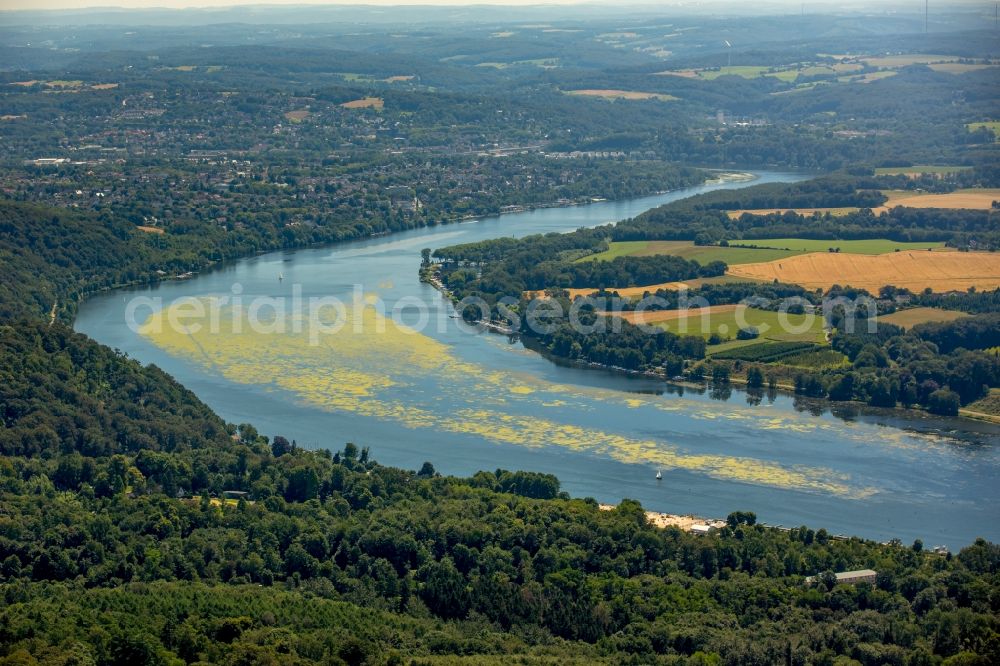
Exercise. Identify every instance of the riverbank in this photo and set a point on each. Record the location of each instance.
(687, 523)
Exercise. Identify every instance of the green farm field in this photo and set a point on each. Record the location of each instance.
(768, 249)
(703, 254)
(800, 328)
(913, 316)
(870, 246)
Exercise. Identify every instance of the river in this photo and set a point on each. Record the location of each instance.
(468, 400)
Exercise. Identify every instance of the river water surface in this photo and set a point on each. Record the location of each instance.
(467, 400)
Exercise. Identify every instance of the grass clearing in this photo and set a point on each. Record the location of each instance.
(911, 317)
(621, 94)
(703, 254)
(742, 252)
(730, 345)
(989, 405)
(991, 125)
(297, 116)
(870, 246)
(916, 271)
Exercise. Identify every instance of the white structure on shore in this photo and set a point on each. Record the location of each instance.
(851, 577)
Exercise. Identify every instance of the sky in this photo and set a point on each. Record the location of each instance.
(179, 4)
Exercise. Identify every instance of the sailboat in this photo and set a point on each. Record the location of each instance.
(658, 475)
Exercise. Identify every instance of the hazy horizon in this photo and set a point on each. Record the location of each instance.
(815, 5)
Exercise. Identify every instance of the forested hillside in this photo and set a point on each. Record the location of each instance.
(148, 535)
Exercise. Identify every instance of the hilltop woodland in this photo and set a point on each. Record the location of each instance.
(137, 527)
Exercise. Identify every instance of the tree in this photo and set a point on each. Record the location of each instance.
(303, 485)
(944, 402)
(280, 446)
(444, 590)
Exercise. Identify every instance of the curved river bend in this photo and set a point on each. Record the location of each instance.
(467, 400)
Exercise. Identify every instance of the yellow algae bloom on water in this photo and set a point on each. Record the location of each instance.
(375, 367)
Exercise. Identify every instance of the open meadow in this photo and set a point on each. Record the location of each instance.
(753, 250)
(726, 321)
(912, 316)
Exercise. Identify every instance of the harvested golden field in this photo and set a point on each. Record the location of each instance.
(365, 103)
(916, 271)
(913, 316)
(973, 199)
(837, 212)
(104, 86)
(399, 78)
(620, 94)
(150, 230)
